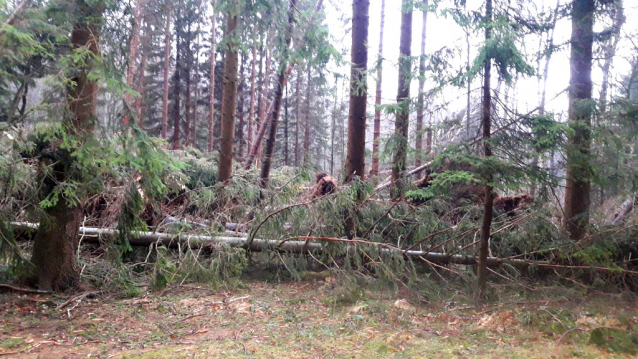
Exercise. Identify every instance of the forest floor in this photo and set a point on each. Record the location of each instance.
(307, 320)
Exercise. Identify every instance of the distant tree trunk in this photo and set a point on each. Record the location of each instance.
(132, 57)
(298, 118)
(176, 85)
(187, 74)
(259, 91)
(377, 111)
(548, 56)
(140, 87)
(281, 82)
(167, 68)
(488, 205)
(286, 127)
(355, 159)
(264, 120)
(264, 112)
(468, 109)
(421, 104)
(211, 90)
(240, 111)
(306, 135)
(609, 51)
(195, 95)
(577, 186)
(57, 238)
(403, 99)
(229, 99)
(333, 127)
(541, 107)
(251, 113)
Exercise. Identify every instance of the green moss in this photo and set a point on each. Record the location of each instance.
(615, 340)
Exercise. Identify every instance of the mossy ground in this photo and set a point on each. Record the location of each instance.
(307, 320)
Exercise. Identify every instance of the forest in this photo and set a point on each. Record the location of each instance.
(310, 178)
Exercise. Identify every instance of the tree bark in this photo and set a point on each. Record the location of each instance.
(195, 95)
(488, 205)
(355, 159)
(403, 100)
(421, 100)
(377, 102)
(132, 58)
(187, 75)
(298, 118)
(577, 187)
(240, 111)
(333, 127)
(281, 83)
(251, 112)
(468, 109)
(211, 90)
(176, 85)
(229, 98)
(56, 241)
(286, 127)
(306, 135)
(167, 67)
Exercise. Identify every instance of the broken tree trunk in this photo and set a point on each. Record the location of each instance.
(622, 212)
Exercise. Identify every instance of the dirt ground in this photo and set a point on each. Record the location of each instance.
(307, 320)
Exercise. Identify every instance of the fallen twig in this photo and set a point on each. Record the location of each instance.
(24, 290)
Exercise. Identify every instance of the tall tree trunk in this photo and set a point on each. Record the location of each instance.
(577, 186)
(333, 127)
(548, 56)
(609, 52)
(377, 102)
(57, 238)
(468, 109)
(262, 124)
(139, 86)
(306, 135)
(298, 118)
(239, 133)
(177, 83)
(421, 102)
(251, 112)
(286, 127)
(403, 100)
(541, 107)
(167, 68)
(195, 95)
(211, 90)
(256, 148)
(263, 111)
(229, 98)
(488, 205)
(187, 74)
(132, 58)
(355, 159)
(281, 82)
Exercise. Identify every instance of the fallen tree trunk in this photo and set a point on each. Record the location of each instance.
(304, 245)
(92, 235)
